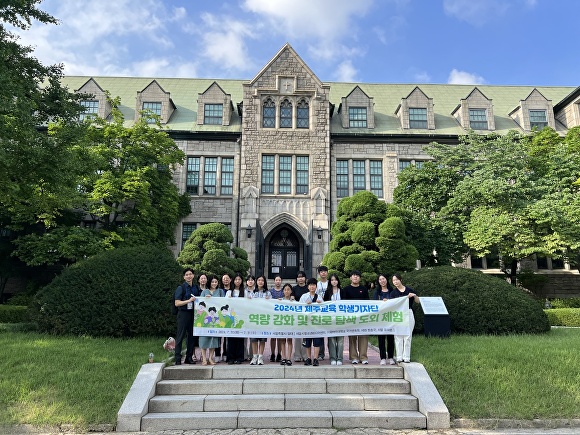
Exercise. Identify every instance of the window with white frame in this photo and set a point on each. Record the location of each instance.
(357, 117)
(359, 170)
(418, 117)
(538, 119)
(154, 107)
(90, 109)
(210, 175)
(478, 119)
(213, 114)
(293, 174)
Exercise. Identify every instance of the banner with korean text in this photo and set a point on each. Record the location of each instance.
(242, 317)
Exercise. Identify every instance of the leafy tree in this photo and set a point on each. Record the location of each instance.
(208, 251)
(365, 239)
(126, 189)
(513, 193)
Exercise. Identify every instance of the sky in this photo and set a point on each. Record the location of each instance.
(494, 42)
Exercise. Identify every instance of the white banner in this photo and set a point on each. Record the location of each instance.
(242, 317)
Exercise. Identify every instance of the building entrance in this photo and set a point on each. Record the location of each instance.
(284, 254)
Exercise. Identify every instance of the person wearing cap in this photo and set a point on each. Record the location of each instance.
(357, 344)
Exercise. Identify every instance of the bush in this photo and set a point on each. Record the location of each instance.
(565, 303)
(478, 303)
(14, 314)
(564, 317)
(121, 293)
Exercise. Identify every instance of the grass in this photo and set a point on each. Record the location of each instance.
(48, 380)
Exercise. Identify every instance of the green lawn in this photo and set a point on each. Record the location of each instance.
(47, 380)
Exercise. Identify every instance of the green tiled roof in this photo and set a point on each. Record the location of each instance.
(184, 93)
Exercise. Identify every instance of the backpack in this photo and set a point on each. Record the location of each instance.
(174, 309)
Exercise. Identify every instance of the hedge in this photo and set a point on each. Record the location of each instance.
(564, 316)
(14, 314)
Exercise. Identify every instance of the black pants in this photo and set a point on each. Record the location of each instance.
(390, 351)
(184, 329)
(235, 349)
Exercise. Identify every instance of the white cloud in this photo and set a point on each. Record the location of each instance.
(422, 77)
(464, 78)
(475, 12)
(346, 72)
(390, 32)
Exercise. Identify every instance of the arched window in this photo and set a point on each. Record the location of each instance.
(286, 114)
(303, 115)
(269, 114)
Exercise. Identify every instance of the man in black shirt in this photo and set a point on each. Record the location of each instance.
(299, 289)
(357, 344)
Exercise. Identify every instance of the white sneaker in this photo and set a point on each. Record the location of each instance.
(339, 363)
(365, 362)
(407, 360)
(399, 360)
(260, 360)
(354, 361)
(333, 363)
(254, 360)
(392, 361)
(383, 362)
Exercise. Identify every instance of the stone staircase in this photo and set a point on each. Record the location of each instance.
(273, 396)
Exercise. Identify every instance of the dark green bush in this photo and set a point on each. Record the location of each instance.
(478, 303)
(564, 316)
(121, 293)
(14, 314)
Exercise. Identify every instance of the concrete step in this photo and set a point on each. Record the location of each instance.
(296, 371)
(283, 402)
(282, 419)
(283, 386)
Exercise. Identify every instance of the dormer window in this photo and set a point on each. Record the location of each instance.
(357, 117)
(213, 114)
(538, 119)
(91, 109)
(417, 117)
(269, 114)
(286, 114)
(154, 107)
(477, 119)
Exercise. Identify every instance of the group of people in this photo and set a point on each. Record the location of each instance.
(308, 291)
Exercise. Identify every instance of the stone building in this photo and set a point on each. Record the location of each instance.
(271, 157)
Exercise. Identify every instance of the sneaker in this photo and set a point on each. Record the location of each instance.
(254, 360)
(383, 362)
(315, 362)
(308, 362)
(272, 358)
(339, 363)
(333, 363)
(288, 362)
(283, 362)
(399, 360)
(297, 359)
(354, 361)
(260, 360)
(278, 358)
(365, 362)
(407, 360)
(392, 361)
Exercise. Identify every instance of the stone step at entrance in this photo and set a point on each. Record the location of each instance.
(230, 397)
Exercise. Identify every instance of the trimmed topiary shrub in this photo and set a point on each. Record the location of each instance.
(478, 303)
(120, 293)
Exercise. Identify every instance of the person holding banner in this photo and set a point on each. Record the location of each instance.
(277, 293)
(258, 343)
(382, 294)
(299, 289)
(235, 347)
(357, 344)
(403, 342)
(285, 344)
(310, 298)
(335, 344)
(210, 344)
